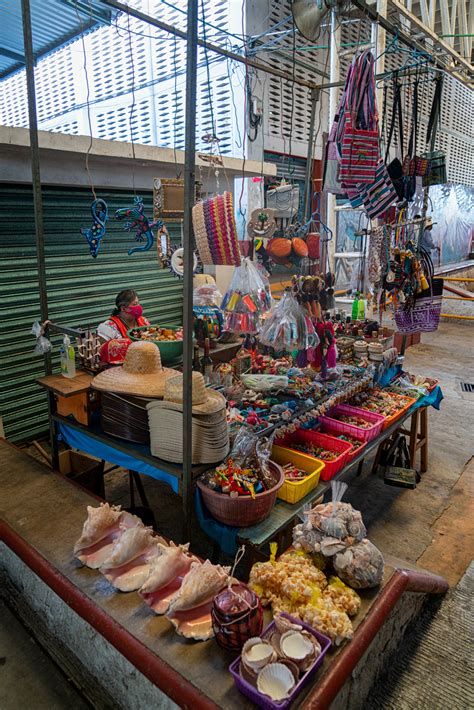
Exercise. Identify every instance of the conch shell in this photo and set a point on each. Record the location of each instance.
(201, 584)
(98, 524)
(173, 562)
(131, 544)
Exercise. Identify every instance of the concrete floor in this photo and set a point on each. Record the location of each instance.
(28, 677)
(431, 526)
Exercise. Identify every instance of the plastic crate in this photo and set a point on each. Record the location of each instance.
(263, 701)
(377, 421)
(327, 428)
(293, 491)
(305, 436)
(400, 412)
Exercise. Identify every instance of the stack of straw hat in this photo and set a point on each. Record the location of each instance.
(210, 435)
(125, 416)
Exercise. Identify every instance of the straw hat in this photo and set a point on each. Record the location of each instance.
(205, 400)
(141, 374)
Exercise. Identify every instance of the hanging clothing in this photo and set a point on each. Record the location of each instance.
(114, 327)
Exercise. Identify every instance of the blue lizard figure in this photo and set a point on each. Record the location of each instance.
(95, 234)
(139, 220)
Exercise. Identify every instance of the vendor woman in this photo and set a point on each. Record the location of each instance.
(127, 314)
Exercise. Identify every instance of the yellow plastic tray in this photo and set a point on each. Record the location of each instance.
(293, 491)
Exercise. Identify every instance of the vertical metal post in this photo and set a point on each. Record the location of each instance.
(308, 193)
(38, 203)
(189, 187)
(334, 74)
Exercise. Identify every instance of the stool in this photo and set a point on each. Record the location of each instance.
(417, 439)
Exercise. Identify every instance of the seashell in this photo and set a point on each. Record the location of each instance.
(331, 546)
(292, 666)
(257, 653)
(276, 680)
(283, 624)
(295, 646)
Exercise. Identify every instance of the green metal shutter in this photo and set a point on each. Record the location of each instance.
(81, 290)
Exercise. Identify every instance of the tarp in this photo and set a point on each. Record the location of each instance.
(80, 440)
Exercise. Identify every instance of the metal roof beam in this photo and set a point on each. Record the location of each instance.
(12, 55)
(429, 34)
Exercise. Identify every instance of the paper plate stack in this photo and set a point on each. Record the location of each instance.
(210, 434)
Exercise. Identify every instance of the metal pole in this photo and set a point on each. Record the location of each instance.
(38, 207)
(308, 193)
(189, 189)
(334, 74)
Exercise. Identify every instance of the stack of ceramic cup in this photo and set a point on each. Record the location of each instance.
(360, 349)
(210, 435)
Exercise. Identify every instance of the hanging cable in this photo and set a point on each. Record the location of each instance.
(86, 76)
(132, 107)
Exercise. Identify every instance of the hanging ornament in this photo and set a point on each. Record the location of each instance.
(140, 221)
(96, 233)
(176, 262)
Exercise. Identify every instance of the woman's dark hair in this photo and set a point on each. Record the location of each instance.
(124, 298)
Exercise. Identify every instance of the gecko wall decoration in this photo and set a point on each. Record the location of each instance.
(95, 234)
(139, 221)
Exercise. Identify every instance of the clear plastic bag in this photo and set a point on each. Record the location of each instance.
(360, 565)
(43, 345)
(288, 328)
(246, 299)
(207, 295)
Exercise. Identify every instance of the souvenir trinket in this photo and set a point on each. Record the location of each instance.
(139, 221)
(237, 616)
(95, 234)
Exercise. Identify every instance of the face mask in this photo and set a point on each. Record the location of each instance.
(135, 311)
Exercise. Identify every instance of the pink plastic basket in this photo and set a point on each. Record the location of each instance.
(263, 701)
(328, 428)
(377, 421)
(305, 436)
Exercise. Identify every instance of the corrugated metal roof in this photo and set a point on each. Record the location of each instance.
(54, 23)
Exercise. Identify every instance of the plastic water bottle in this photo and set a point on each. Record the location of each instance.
(67, 357)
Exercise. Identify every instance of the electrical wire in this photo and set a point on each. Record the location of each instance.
(132, 107)
(89, 120)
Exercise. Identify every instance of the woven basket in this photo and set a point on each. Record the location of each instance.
(244, 511)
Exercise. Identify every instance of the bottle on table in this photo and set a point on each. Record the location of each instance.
(196, 359)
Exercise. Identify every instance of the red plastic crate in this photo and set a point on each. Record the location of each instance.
(377, 421)
(327, 428)
(306, 436)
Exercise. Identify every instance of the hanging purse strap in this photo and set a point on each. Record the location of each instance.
(396, 110)
(435, 114)
(412, 143)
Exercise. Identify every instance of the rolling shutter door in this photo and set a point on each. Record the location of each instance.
(81, 290)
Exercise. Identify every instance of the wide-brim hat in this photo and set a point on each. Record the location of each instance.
(204, 400)
(141, 374)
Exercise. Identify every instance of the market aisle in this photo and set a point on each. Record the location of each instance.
(28, 677)
(427, 526)
(436, 669)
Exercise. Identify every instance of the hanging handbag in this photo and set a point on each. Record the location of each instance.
(422, 316)
(378, 197)
(401, 174)
(437, 174)
(358, 141)
(331, 177)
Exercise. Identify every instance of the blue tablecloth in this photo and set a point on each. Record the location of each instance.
(432, 399)
(80, 440)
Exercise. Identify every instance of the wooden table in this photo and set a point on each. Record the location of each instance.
(281, 520)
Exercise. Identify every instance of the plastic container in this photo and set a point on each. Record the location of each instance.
(377, 421)
(327, 428)
(243, 511)
(293, 491)
(388, 421)
(170, 350)
(305, 436)
(263, 701)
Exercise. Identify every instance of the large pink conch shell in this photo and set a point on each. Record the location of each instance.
(103, 527)
(166, 574)
(129, 565)
(201, 584)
